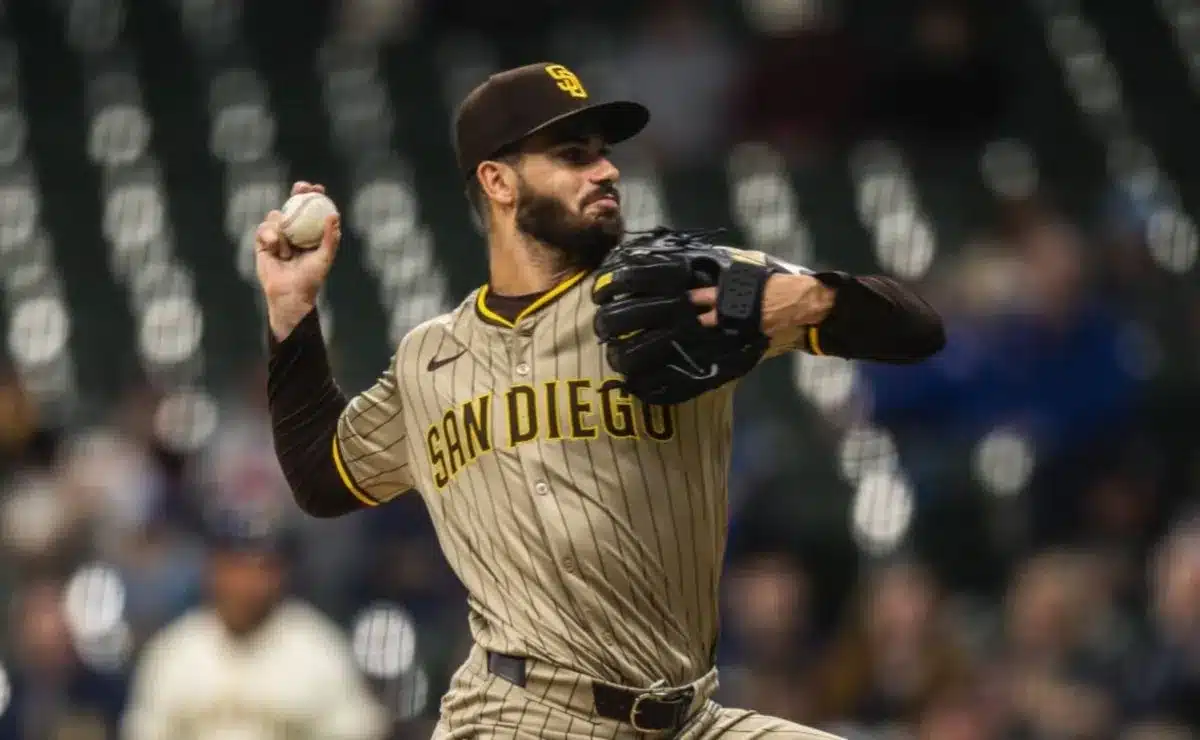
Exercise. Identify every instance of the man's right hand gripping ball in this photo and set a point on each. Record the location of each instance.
(651, 329)
(292, 278)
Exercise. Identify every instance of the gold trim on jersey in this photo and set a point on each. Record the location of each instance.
(814, 344)
(346, 479)
(544, 300)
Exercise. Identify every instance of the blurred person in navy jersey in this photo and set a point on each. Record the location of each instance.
(252, 662)
(1044, 355)
(53, 693)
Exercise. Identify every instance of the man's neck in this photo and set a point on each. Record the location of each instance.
(519, 265)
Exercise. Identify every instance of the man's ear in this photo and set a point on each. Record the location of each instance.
(498, 181)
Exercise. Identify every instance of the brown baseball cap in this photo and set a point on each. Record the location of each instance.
(512, 105)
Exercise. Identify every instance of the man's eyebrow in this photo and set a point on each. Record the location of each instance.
(544, 143)
(570, 141)
(558, 144)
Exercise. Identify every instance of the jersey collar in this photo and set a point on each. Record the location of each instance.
(546, 299)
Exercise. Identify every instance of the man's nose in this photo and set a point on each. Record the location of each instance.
(605, 171)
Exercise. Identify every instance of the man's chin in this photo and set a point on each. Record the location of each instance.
(587, 253)
(611, 222)
(582, 241)
(598, 214)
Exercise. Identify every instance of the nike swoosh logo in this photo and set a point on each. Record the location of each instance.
(695, 372)
(435, 363)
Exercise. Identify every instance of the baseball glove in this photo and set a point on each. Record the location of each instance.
(652, 332)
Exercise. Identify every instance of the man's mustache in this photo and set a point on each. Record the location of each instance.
(606, 192)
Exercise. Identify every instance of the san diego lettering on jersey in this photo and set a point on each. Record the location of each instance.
(571, 409)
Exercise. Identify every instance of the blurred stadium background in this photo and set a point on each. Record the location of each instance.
(997, 544)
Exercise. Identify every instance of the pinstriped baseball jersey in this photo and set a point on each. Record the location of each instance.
(587, 527)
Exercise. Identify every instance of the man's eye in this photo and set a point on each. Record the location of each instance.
(574, 155)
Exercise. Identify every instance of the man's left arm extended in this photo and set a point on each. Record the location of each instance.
(833, 313)
(868, 317)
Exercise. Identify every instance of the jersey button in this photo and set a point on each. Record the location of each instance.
(568, 565)
(540, 488)
(523, 368)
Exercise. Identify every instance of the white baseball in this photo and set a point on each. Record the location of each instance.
(304, 217)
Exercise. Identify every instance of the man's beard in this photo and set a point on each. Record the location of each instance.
(581, 242)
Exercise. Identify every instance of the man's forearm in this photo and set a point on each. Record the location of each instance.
(876, 318)
(305, 405)
(865, 318)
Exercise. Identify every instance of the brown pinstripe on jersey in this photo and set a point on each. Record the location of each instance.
(587, 527)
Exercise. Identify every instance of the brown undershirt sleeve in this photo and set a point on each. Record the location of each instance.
(305, 405)
(876, 318)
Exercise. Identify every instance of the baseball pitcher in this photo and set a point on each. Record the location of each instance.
(568, 424)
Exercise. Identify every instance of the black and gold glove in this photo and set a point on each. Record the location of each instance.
(650, 328)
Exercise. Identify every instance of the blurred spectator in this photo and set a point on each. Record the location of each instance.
(1167, 684)
(373, 22)
(946, 86)
(1057, 670)
(1048, 361)
(771, 648)
(802, 85)
(238, 470)
(40, 524)
(127, 500)
(683, 66)
(894, 654)
(18, 417)
(53, 693)
(252, 662)
(959, 713)
(162, 570)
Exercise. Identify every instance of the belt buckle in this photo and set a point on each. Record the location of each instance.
(676, 697)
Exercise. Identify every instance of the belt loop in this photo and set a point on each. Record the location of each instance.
(509, 667)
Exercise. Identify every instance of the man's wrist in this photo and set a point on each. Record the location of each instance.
(792, 303)
(283, 319)
(817, 299)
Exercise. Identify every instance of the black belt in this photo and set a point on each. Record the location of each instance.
(649, 710)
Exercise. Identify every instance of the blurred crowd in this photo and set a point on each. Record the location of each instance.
(1064, 607)
(801, 84)
(1062, 655)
